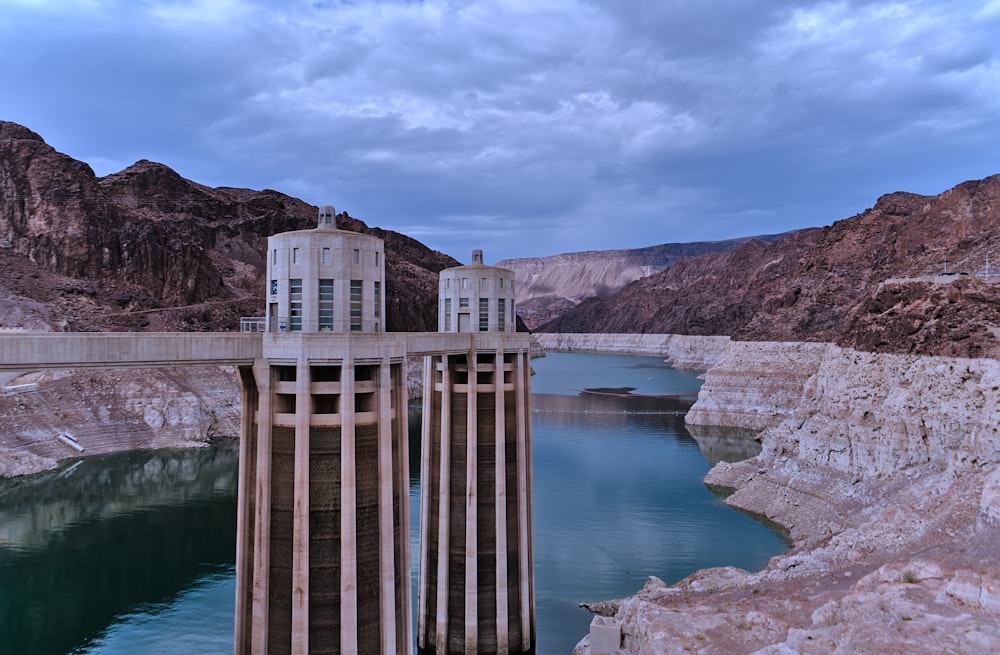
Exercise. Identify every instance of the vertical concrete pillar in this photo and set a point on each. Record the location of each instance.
(471, 513)
(262, 519)
(300, 511)
(524, 482)
(249, 399)
(443, 490)
(500, 507)
(426, 440)
(387, 558)
(348, 517)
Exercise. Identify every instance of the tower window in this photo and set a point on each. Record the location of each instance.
(295, 255)
(326, 304)
(356, 256)
(327, 257)
(482, 283)
(484, 314)
(378, 299)
(295, 304)
(501, 313)
(447, 314)
(356, 305)
(463, 303)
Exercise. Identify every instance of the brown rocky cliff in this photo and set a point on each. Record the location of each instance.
(547, 287)
(145, 248)
(834, 283)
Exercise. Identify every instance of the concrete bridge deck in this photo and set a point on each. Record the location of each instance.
(27, 351)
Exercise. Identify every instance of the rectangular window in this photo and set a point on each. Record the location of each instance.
(326, 304)
(465, 283)
(376, 259)
(274, 287)
(295, 255)
(378, 299)
(274, 256)
(463, 303)
(295, 304)
(356, 256)
(327, 257)
(501, 313)
(482, 283)
(355, 305)
(484, 314)
(447, 314)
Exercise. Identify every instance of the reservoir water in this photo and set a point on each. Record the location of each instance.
(134, 552)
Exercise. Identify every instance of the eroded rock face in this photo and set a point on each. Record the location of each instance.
(115, 410)
(870, 282)
(885, 472)
(146, 249)
(547, 287)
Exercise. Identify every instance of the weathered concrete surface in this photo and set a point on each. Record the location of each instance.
(61, 350)
(886, 474)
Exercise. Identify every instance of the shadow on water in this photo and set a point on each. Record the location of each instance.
(80, 546)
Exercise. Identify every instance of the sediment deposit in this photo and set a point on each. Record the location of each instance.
(110, 411)
(885, 471)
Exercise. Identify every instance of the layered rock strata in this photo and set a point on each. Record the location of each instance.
(111, 411)
(885, 473)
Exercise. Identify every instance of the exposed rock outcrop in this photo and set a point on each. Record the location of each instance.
(869, 282)
(885, 472)
(110, 411)
(146, 249)
(549, 286)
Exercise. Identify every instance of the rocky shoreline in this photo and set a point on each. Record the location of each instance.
(114, 410)
(885, 471)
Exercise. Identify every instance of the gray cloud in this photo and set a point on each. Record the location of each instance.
(525, 128)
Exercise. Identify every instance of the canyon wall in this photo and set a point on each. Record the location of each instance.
(884, 469)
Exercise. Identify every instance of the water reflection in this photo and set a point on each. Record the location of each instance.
(116, 532)
(725, 444)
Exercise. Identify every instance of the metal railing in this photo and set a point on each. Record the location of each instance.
(253, 324)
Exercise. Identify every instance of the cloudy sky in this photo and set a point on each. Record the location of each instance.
(525, 127)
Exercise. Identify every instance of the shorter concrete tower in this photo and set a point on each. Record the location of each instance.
(476, 587)
(323, 562)
(476, 298)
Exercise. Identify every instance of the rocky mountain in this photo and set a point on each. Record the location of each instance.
(146, 249)
(874, 282)
(548, 287)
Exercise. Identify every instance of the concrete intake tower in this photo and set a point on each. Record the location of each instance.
(476, 584)
(323, 562)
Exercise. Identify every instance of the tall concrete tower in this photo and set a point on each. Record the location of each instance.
(323, 562)
(476, 586)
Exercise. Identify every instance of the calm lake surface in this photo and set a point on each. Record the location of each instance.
(134, 552)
